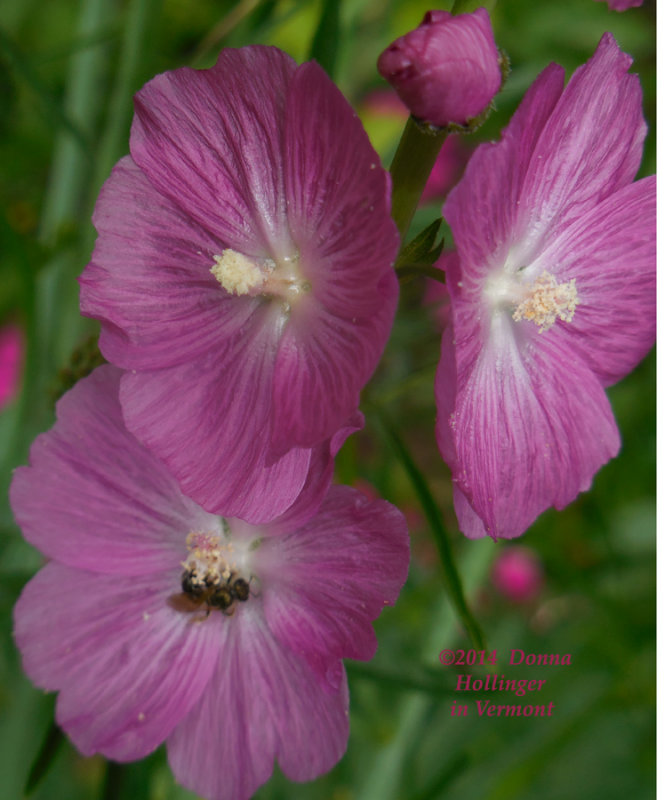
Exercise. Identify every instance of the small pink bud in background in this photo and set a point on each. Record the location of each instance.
(447, 70)
(518, 574)
(11, 351)
(622, 5)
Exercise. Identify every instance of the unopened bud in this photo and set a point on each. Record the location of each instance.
(447, 70)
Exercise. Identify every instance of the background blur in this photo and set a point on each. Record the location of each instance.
(68, 69)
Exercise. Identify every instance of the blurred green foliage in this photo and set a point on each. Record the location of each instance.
(68, 69)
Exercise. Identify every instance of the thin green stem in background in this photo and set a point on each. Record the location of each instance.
(411, 167)
(114, 140)
(47, 753)
(451, 576)
(70, 173)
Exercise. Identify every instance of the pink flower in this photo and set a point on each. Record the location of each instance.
(242, 274)
(622, 5)
(11, 354)
(447, 69)
(552, 296)
(156, 620)
(518, 574)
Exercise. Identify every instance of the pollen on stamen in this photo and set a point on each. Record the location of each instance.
(237, 273)
(547, 301)
(210, 560)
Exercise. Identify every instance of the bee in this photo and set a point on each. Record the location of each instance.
(210, 594)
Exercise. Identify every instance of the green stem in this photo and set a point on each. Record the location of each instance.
(451, 576)
(409, 271)
(412, 164)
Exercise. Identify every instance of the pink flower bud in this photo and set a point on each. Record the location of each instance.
(518, 574)
(447, 70)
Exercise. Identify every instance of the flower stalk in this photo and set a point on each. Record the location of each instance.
(411, 166)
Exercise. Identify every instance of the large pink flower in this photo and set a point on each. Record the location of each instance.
(156, 620)
(552, 296)
(242, 274)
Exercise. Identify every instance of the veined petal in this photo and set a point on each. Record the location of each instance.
(93, 497)
(322, 364)
(482, 209)
(611, 254)
(325, 583)
(262, 704)
(338, 212)
(339, 197)
(211, 140)
(319, 477)
(223, 461)
(128, 667)
(590, 147)
(149, 280)
(530, 428)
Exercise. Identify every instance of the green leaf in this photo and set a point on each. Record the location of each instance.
(420, 249)
(45, 757)
(417, 679)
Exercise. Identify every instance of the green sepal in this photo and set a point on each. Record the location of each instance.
(421, 253)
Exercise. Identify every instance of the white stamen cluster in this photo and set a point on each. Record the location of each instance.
(547, 301)
(210, 561)
(237, 273)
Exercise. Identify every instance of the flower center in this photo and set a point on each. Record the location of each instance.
(541, 302)
(239, 274)
(546, 301)
(212, 576)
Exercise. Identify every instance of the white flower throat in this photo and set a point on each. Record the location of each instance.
(541, 302)
(240, 275)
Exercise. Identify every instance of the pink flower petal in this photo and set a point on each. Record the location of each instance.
(128, 666)
(150, 282)
(210, 140)
(263, 703)
(209, 436)
(482, 209)
(93, 497)
(322, 363)
(611, 252)
(531, 425)
(573, 168)
(327, 581)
